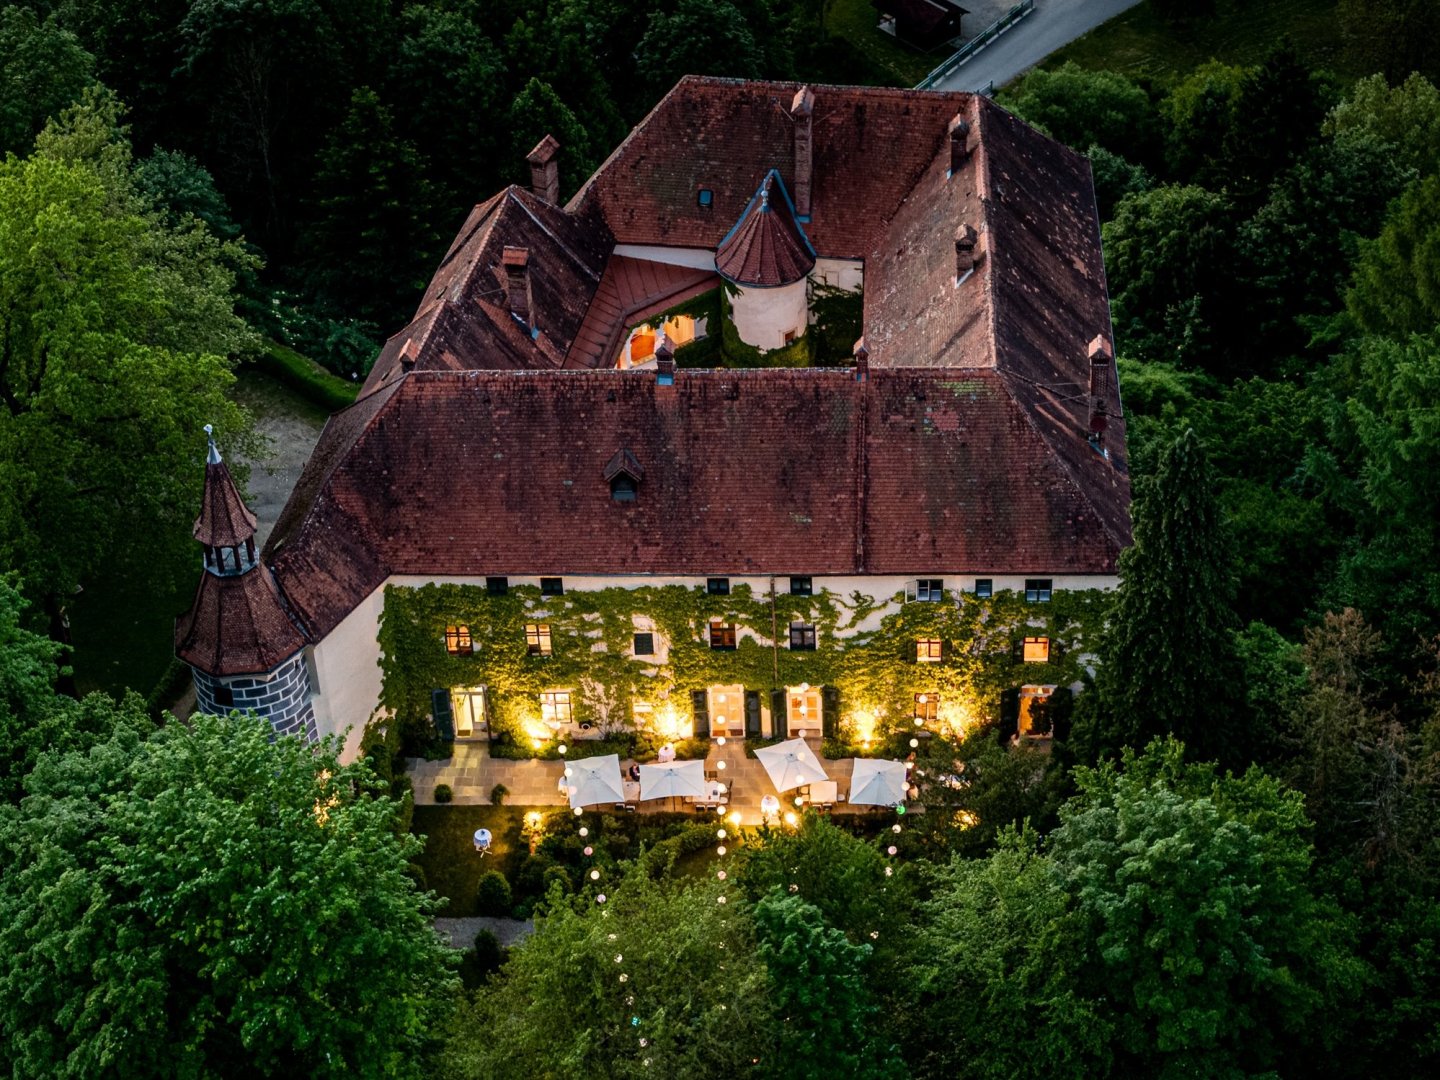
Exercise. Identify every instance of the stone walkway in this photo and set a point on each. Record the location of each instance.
(472, 773)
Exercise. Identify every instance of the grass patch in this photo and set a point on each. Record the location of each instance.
(856, 21)
(305, 377)
(1139, 42)
(452, 865)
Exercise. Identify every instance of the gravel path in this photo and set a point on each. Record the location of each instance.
(461, 932)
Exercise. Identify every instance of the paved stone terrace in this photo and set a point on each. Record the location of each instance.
(472, 773)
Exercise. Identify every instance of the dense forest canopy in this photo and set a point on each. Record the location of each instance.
(1225, 865)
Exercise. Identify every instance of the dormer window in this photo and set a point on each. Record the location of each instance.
(705, 198)
(623, 473)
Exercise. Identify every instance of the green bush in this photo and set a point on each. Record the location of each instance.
(443, 794)
(482, 960)
(309, 380)
(497, 794)
(492, 895)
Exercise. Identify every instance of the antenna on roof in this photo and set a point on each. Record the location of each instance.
(212, 457)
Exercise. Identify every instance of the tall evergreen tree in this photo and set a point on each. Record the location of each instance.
(1169, 656)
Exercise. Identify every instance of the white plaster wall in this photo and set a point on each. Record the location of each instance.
(700, 258)
(763, 316)
(848, 274)
(348, 671)
(347, 660)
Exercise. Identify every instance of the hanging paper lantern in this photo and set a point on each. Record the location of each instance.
(720, 850)
(589, 851)
(600, 899)
(561, 748)
(721, 875)
(595, 874)
(584, 831)
(720, 833)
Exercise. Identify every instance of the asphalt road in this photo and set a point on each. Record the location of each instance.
(1052, 24)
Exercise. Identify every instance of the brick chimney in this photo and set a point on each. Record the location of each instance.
(516, 261)
(959, 143)
(1100, 368)
(545, 170)
(664, 364)
(801, 112)
(968, 251)
(862, 361)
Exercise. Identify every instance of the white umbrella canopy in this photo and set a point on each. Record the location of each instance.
(791, 764)
(672, 780)
(878, 782)
(594, 780)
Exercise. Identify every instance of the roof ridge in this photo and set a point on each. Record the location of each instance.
(513, 191)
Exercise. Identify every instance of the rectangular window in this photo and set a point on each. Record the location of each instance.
(928, 649)
(801, 586)
(537, 639)
(802, 636)
(984, 588)
(717, 586)
(1037, 590)
(705, 198)
(927, 706)
(555, 707)
(1037, 650)
(457, 640)
(644, 644)
(497, 586)
(224, 696)
(789, 336)
(930, 589)
(722, 635)
(552, 586)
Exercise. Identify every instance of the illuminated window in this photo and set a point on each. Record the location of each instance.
(927, 706)
(928, 589)
(984, 587)
(802, 636)
(801, 586)
(552, 586)
(1037, 590)
(928, 648)
(555, 706)
(457, 640)
(789, 336)
(644, 644)
(1035, 720)
(722, 635)
(717, 586)
(537, 639)
(1037, 650)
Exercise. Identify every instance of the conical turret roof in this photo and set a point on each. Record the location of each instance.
(767, 247)
(225, 520)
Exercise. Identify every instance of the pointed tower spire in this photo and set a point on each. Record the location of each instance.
(225, 527)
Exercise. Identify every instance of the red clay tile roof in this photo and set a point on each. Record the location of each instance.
(753, 471)
(631, 290)
(237, 625)
(225, 520)
(767, 247)
(965, 450)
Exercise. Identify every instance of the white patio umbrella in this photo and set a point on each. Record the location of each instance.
(791, 764)
(878, 782)
(672, 780)
(594, 780)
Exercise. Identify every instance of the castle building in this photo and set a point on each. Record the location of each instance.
(622, 393)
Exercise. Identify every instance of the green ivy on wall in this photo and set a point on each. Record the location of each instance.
(874, 670)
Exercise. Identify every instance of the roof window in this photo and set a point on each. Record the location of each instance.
(705, 198)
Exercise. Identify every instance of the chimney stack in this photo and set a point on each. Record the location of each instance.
(968, 251)
(802, 109)
(545, 170)
(516, 261)
(664, 364)
(862, 361)
(1100, 368)
(959, 143)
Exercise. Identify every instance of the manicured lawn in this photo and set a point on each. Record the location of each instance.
(452, 865)
(856, 21)
(1141, 43)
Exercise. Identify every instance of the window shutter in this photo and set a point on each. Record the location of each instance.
(700, 706)
(752, 713)
(1062, 707)
(909, 591)
(1017, 650)
(1009, 714)
(1057, 650)
(444, 718)
(779, 714)
(830, 716)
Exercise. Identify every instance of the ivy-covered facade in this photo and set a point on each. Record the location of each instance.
(654, 659)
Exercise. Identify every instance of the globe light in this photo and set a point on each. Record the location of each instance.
(719, 764)
(561, 748)
(914, 742)
(720, 850)
(584, 831)
(595, 874)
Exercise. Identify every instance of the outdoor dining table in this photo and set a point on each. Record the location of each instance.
(715, 794)
(632, 791)
(823, 793)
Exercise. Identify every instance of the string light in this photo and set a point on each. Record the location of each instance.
(720, 850)
(584, 831)
(561, 748)
(600, 899)
(892, 849)
(589, 851)
(595, 874)
(579, 811)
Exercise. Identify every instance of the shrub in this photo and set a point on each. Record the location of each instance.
(492, 895)
(482, 961)
(497, 794)
(443, 794)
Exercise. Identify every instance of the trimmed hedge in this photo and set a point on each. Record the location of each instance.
(305, 377)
